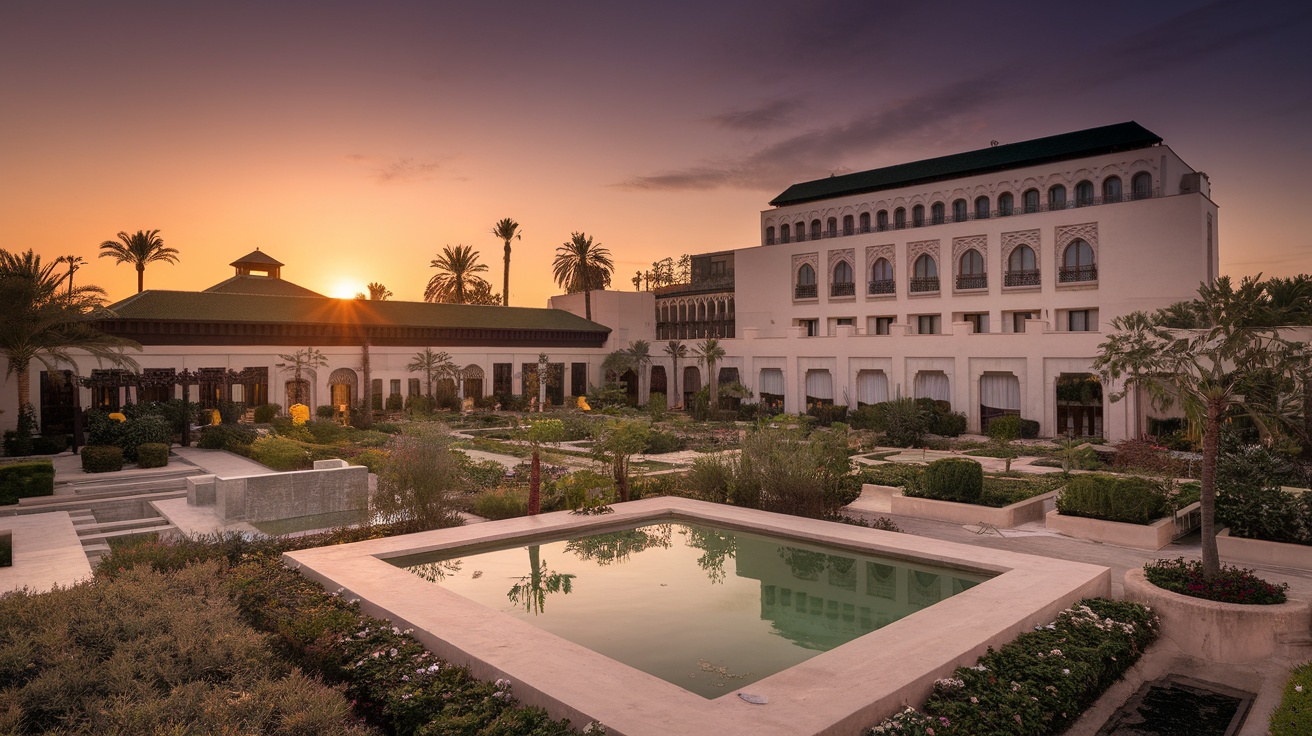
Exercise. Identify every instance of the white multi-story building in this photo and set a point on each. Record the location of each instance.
(983, 278)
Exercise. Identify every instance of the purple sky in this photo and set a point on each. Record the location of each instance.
(352, 140)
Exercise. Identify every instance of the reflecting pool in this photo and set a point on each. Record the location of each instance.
(708, 609)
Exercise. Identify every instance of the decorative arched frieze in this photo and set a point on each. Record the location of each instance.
(875, 252)
(961, 245)
(1066, 234)
(842, 254)
(1021, 237)
(916, 249)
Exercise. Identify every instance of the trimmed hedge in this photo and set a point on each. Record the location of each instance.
(25, 480)
(226, 437)
(264, 413)
(102, 458)
(1127, 499)
(50, 444)
(149, 429)
(953, 479)
(152, 455)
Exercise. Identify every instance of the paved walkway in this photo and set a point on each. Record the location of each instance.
(47, 553)
(221, 462)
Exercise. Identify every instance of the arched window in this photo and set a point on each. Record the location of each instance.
(865, 222)
(1057, 197)
(805, 288)
(959, 210)
(815, 229)
(924, 274)
(1031, 200)
(981, 208)
(1005, 204)
(936, 213)
(769, 235)
(1077, 263)
(900, 218)
(1021, 268)
(1111, 189)
(843, 283)
(683, 311)
(1141, 186)
(970, 271)
(785, 233)
(847, 224)
(881, 220)
(1084, 193)
(882, 270)
(831, 227)
(918, 215)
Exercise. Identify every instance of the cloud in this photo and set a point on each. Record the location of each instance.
(405, 170)
(770, 115)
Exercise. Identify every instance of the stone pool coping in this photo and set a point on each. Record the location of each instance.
(840, 691)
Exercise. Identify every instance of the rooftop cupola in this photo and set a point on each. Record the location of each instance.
(257, 263)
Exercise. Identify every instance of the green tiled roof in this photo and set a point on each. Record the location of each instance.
(210, 306)
(258, 256)
(244, 284)
(1082, 143)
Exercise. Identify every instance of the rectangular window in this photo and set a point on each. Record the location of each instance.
(1077, 320)
(928, 324)
(979, 323)
(501, 378)
(414, 387)
(1018, 320)
(811, 326)
(883, 325)
(396, 387)
(578, 379)
(376, 393)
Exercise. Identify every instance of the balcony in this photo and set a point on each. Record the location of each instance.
(882, 286)
(805, 291)
(1028, 277)
(924, 284)
(973, 281)
(1076, 274)
(842, 288)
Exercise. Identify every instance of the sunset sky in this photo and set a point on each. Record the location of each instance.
(352, 140)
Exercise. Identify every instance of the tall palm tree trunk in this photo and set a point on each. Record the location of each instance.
(535, 483)
(1207, 495)
(141, 278)
(23, 377)
(678, 397)
(505, 280)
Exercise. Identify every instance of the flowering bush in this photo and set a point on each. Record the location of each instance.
(1039, 683)
(1233, 585)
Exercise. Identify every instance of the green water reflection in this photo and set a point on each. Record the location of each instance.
(708, 609)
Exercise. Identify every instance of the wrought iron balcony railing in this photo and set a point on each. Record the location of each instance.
(1027, 277)
(973, 281)
(882, 286)
(805, 291)
(842, 288)
(920, 284)
(1074, 274)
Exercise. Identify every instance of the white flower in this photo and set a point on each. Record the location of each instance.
(1065, 671)
(1298, 688)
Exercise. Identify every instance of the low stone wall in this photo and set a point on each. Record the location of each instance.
(332, 486)
(1007, 517)
(1140, 536)
(1230, 633)
(1262, 552)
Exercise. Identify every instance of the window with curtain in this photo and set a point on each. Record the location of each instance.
(1077, 263)
(926, 267)
(928, 324)
(843, 273)
(1077, 320)
(937, 214)
(970, 271)
(932, 385)
(815, 229)
(785, 233)
(844, 283)
(1057, 197)
(831, 227)
(871, 387)
(819, 385)
(999, 391)
(772, 381)
(1022, 269)
(881, 277)
(1031, 200)
(959, 210)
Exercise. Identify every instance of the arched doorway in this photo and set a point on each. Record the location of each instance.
(345, 387)
(819, 387)
(692, 383)
(658, 380)
(772, 389)
(630, 381)
(871, 387)
(473, 381)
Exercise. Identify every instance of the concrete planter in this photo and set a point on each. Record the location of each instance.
(1262, 552)
(1031, 509)
(1141, 536)
(1230, 633)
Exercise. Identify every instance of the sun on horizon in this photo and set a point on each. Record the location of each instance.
(347, 289)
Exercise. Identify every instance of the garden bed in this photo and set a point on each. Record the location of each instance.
(1010, 516)
(1262, 552)
(1152, 536)
(1232, 633)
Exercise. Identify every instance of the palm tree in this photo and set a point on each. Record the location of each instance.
(43, 322)
(74, 263)
(378, 292)
(677, 351)
(640, 352)
(298, 362)
(457, 275)
(508, 230)
(580, 259)
(432, 365)
(709, 352)
(138, 249)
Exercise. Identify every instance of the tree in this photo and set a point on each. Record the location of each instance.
(580, 260)
(617, 442)
(298, 363)
(677, 351)
(508, 230)
(139, 249)
(1003, 431)
(378, 292)
(1204, 368)
(74, 263)
(44, 323)
(538, 433)
(640, 353)
(710, 353)
(433, 365)
(482, 294)
(457, 275)
(420, 479)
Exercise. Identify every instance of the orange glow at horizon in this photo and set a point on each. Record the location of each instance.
(347, 289)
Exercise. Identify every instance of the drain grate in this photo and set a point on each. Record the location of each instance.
(1180, 706)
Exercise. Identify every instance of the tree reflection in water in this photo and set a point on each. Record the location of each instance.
(716, 545)
(532, 590)
(436, 572)
(618, 546)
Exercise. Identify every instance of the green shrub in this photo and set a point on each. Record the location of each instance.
(18, 441)
(827, 414)
(101, 430)
(906, 422)
(264, 413)
(1232, 585)
(502, 503)
(575, 490)
(143, 430)
(25, 480)
(710, 478)
(948, 424)
(102, 458)
(226, 437)
(1005, 428)
(152, 455)
(1293, 717)
(999, 492)
(952, 479)
(280, 453)
(658, 406)
(659, 441)
(387, 427)
(371, 458)
(869, 416)
(50, 444)
(1029, 429)
(325, 411)
(326, 433)
(1127, 499)
(892, 474)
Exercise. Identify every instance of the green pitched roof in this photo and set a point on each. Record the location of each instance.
(257, 257)
(210, 306)
(1081, 143)
(246, 284)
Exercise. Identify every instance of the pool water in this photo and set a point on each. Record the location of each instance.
(708, 609)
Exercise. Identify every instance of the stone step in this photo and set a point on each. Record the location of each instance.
(80, 503)
(176, 470)
(91, 539)
(89, 530)
(170, 486)
(95, 552)
(146, 484)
